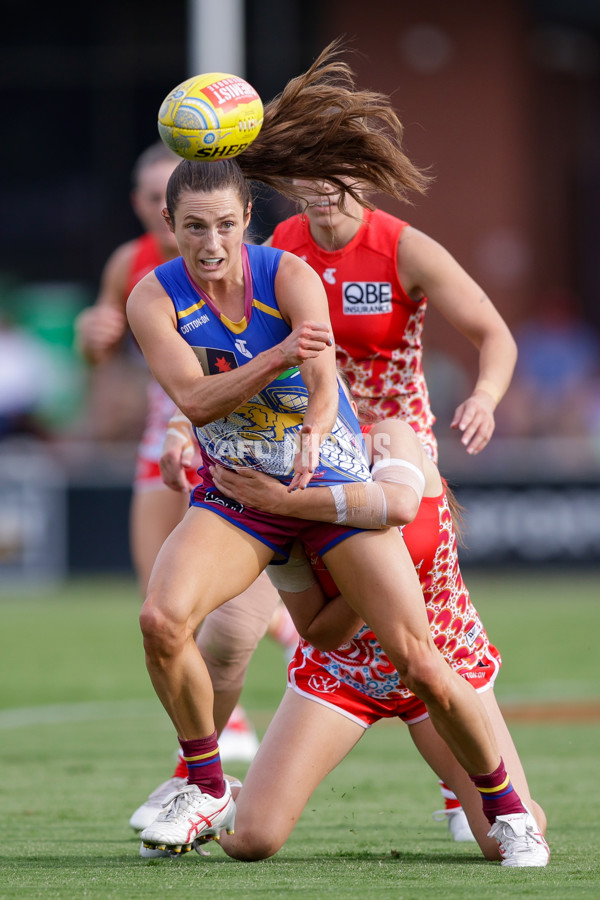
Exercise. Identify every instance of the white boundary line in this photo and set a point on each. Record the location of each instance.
(93, 711)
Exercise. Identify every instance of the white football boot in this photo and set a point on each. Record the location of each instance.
(520, 840)
(188, 814)
(148, 811)
(458, 824)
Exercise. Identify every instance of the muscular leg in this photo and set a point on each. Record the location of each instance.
(153, 515)
(437, 754)
(228, 638)
(192, 576)
(303, 743)
(377, 578)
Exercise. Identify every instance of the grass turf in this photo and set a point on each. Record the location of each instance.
(83, 740)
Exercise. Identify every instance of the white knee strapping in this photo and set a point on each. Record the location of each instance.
(400, 471)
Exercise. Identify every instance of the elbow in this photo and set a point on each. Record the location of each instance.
(195, 412)
(320, 641)
(401, 511)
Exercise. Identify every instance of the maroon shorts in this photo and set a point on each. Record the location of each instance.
(277, 532)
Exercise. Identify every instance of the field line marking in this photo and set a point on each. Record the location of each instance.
(91, 711)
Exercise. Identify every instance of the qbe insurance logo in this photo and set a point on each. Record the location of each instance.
(364, 298)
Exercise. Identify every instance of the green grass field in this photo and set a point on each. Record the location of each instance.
(83, 740)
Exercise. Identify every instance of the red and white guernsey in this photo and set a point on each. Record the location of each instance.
(377, 326)
(146, 257)
(457, 631)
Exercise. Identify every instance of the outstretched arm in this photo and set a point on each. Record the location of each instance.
(426, 269)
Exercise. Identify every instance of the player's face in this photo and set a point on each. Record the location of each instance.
(148, 199)
(209, 228)
(323, 209)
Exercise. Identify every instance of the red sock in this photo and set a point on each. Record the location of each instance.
(204, 764)
(451, 801)
(498, 796)
(181, 769)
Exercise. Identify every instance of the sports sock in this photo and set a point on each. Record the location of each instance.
(451, 801)
(204, 764)
(498, 796)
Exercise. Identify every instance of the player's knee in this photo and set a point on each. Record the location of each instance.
(252, 843)
(163, 635)
(428, 676)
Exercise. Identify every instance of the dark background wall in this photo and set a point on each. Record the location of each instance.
(500, 100)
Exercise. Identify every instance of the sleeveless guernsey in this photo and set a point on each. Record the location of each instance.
(261, 433)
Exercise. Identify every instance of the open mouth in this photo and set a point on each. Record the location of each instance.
(212, 261)
(323, 203)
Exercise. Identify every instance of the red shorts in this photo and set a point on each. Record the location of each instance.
(277, 532)
(147, 475)
(314, 682)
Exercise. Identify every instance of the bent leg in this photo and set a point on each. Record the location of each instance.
(303, 743)
(438, 755)
(377, 578)
(191, 577)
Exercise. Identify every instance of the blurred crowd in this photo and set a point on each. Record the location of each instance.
(47, 392)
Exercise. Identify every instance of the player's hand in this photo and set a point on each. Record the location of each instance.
(475, 418)
(98, 330)
(307, 457)
(306, 341)
(249, 487)
(177, 455)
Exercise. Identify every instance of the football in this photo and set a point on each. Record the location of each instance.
(211, 116)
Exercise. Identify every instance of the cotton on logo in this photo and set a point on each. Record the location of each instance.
(329, 276)
(241, 346)
(323, 684)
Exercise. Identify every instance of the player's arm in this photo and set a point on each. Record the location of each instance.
(401, 472)
(99, 329)
(300, 296)
(176, 368)
(177, 453)
(325, 623)
(426, 269)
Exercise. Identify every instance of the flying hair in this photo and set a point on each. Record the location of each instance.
(321, 127)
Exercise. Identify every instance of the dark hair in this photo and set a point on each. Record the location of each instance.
(320, 128)
(204, 177)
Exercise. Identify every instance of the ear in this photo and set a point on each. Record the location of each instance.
(166, 216)
(248, 215)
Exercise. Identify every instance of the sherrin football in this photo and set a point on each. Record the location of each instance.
(211, 116)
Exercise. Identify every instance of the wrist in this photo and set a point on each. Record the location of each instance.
(490, 388)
